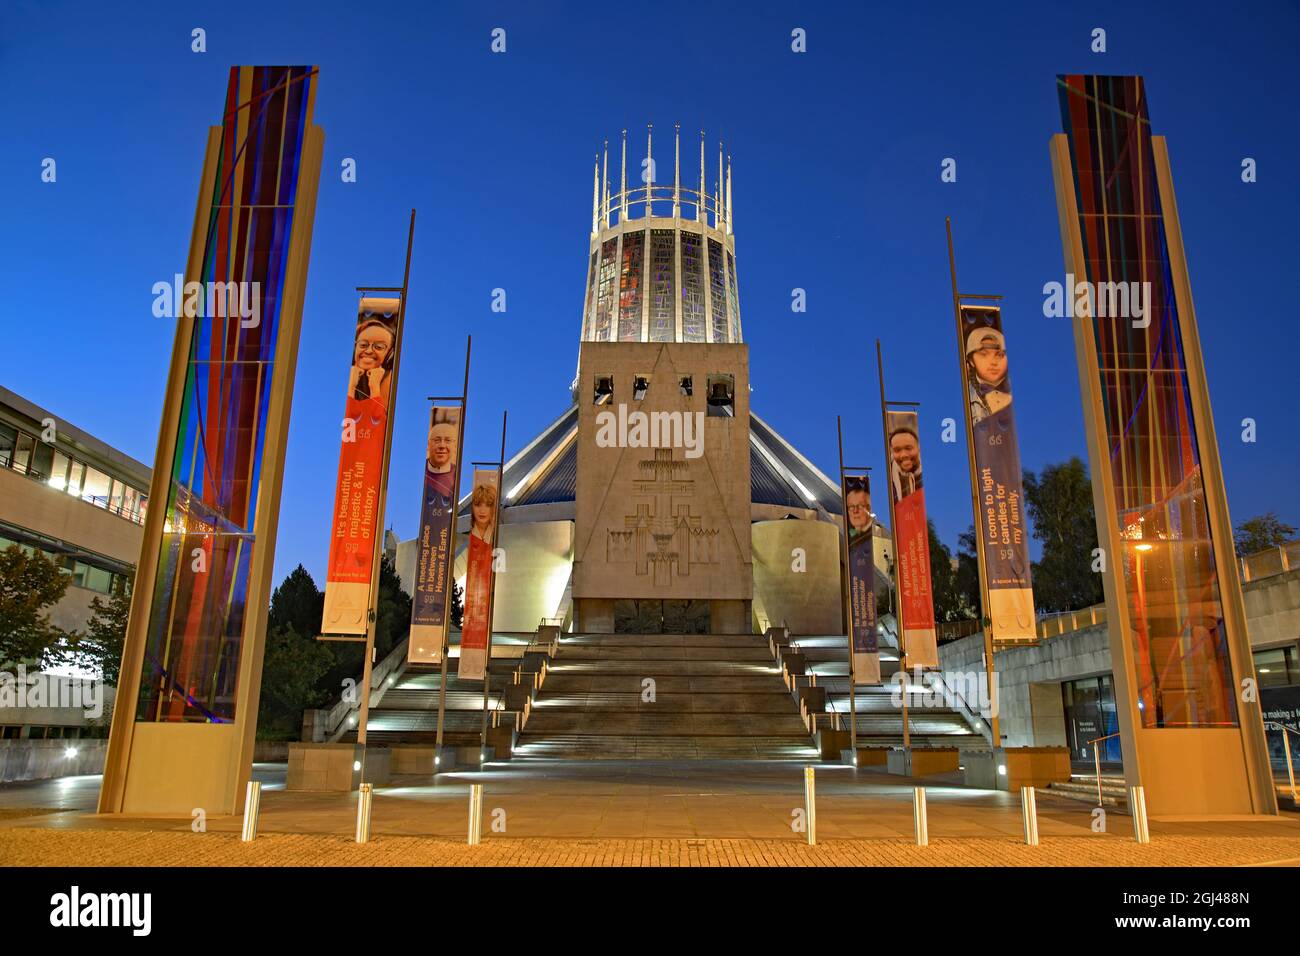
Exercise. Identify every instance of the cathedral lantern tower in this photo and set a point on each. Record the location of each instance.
(662, 265)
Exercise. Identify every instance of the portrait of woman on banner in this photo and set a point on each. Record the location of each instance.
(373, 353)
(478, 573)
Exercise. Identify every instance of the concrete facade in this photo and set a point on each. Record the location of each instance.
(807, 601)
(663, 522)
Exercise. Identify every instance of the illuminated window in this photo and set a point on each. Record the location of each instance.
(717, 291)
(663, 318)
(629, 288)
(693, 312)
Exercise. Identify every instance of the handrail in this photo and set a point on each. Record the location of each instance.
(1096, 756)
(336, 721)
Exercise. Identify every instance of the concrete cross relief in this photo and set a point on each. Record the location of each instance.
(662, 537)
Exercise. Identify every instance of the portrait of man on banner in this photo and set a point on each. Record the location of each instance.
(433, 565)
(1000, 520)
(986, 373)
(441, 458)
(904, 460)
(859, 524)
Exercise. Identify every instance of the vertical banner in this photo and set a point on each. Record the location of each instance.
(478, 573)
(858, 526)
(430, 604)
(1000, 519)
(361, 458)
(911, 540)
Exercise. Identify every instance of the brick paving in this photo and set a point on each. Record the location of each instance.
(23, 846)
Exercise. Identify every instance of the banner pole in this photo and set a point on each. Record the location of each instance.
(496, 543)
(893, 540)
(455, 518)
(376, 556)
(848, 610)
(986, 623)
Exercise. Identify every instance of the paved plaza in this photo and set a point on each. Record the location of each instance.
(681, 813)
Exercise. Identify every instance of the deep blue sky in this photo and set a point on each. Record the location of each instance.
(836, 158)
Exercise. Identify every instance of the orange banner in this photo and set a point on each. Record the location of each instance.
(475, 637)
(361, 459)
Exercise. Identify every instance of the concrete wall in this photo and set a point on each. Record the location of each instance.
(653, 523)
(1029, 680)
(808, 602)
(1273, 609)
(43, 759)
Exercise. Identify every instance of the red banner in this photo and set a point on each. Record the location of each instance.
(475, 637)
(361, 459)
(912, 541)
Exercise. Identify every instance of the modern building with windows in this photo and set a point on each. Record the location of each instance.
(72, 497)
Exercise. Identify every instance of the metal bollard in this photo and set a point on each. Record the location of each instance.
(919, 821)
(1137, 805)
(252, 807)
(363, 814)
(475, 814)
(810, 803)
(1029, 813)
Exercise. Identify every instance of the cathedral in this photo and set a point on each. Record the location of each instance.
(712, 523)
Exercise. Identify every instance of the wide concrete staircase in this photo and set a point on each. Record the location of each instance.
(664, 697)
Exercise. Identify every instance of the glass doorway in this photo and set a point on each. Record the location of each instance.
(1090, 713)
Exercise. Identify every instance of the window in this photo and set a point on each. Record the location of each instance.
(58, 478)
(604, 390)
(693, 316)
(640, 385)
(722, 396)
(687, 386)
(42, 460)
(663, 268)
(629, 285)
(96, 488)
(23, 452)
(8, 438)
(76, 472)
(1278, 666)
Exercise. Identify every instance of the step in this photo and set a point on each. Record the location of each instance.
(628, 747)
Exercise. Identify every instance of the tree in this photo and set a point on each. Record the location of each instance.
(292, 668)
(393, 621)
(966, 579)
(29, 583)
(1059, 501)
(457, 605)
(297, 604)
(100, 648)
(1261, 533)
(949, 603)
